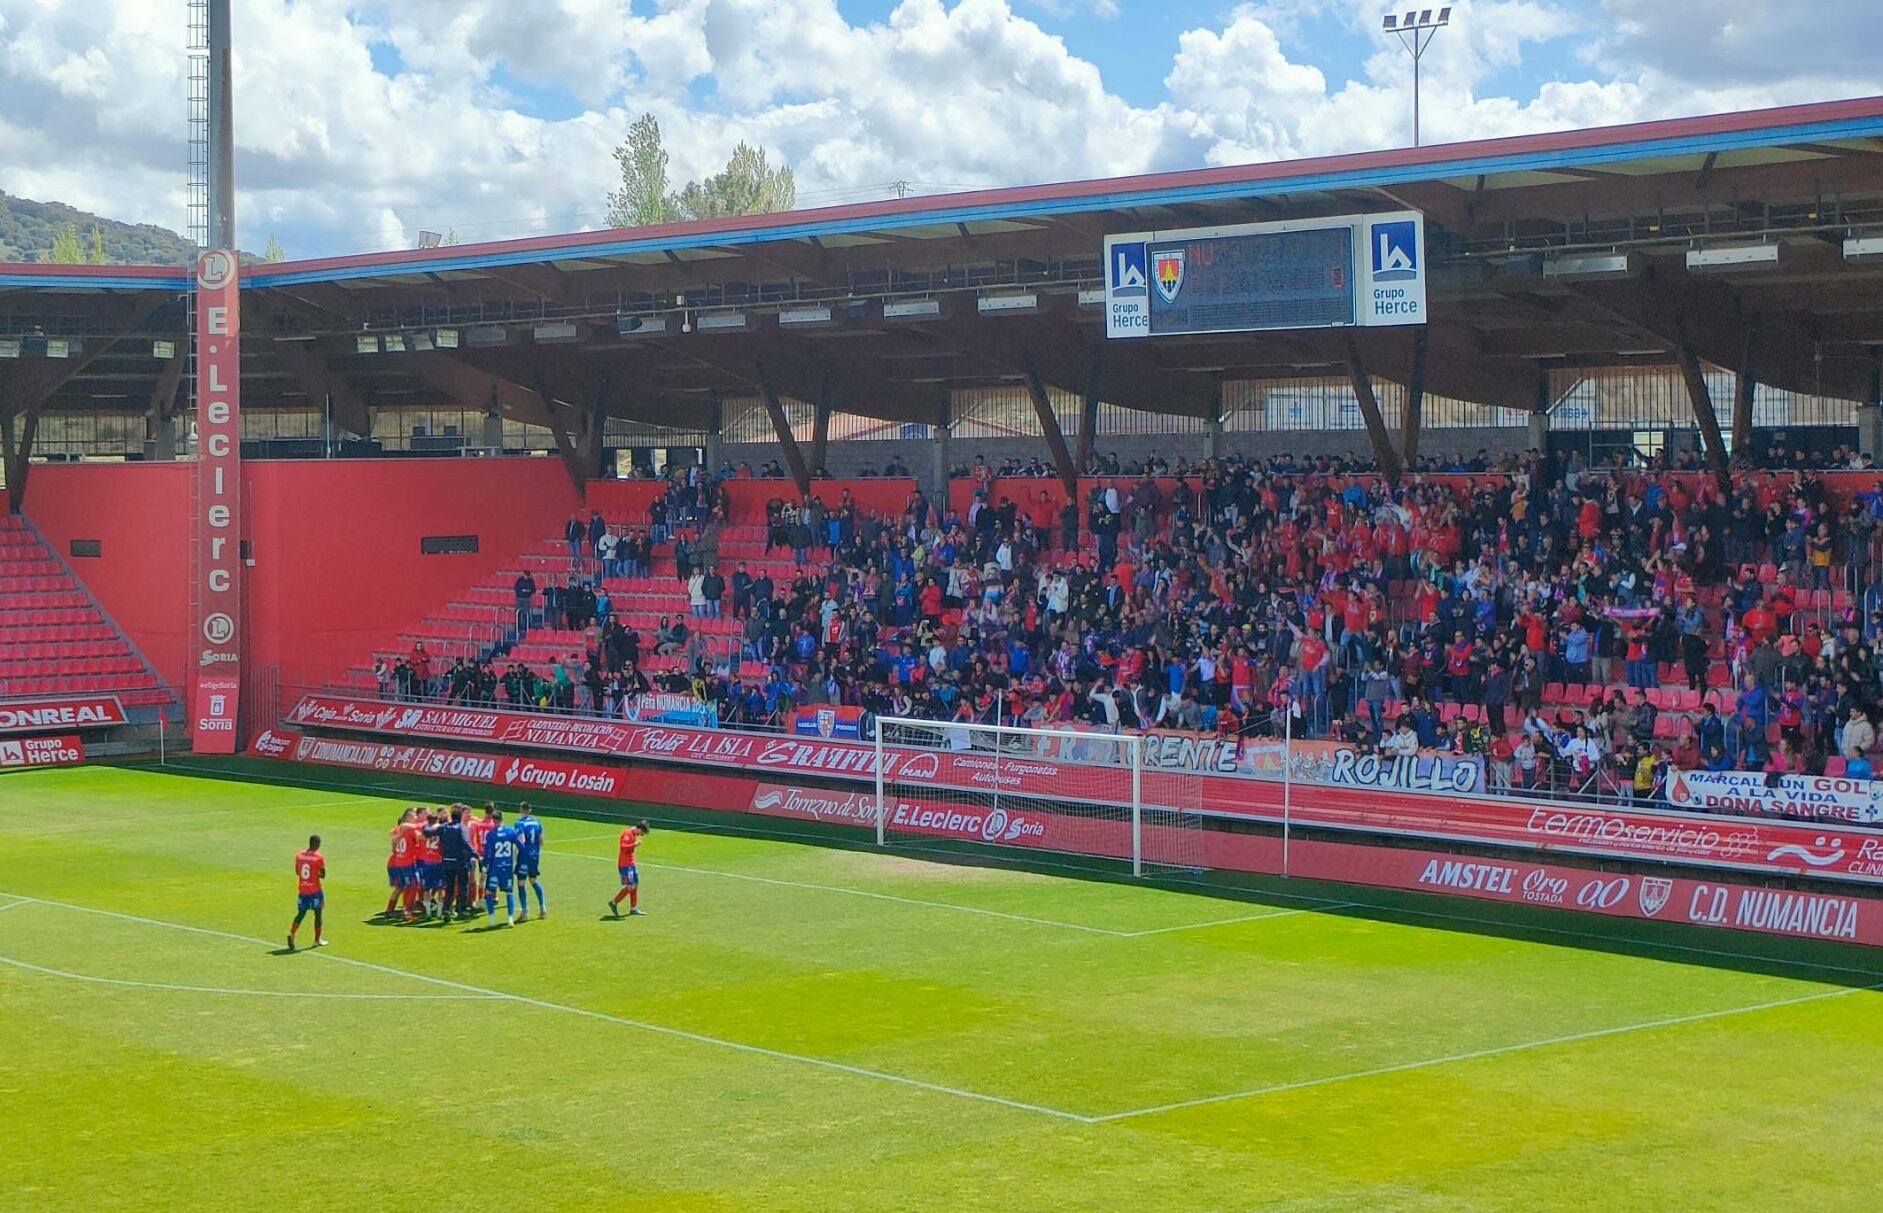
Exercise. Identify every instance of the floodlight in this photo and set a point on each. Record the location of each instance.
(163, 351)
(445, 339)
(1732, 257)
(420, 343)
(1576, 267)
(366, 343)
(1416, 29)
(804, 317)
(1007, 305)
(395, 343)
(58, 347)
(912, 309)
(722, 322)
(487, 334)
(10, 348)
(1863, 248)
(641, 326)
(1092, 297)
(560, 332)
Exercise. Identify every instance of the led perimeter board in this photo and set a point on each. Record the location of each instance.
(1309, 273)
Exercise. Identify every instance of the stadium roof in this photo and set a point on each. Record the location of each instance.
(1802, 178)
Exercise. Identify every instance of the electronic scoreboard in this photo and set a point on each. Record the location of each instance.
(1311, 273)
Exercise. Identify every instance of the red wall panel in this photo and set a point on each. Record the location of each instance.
(139, 512)
(335, 543)
(337, 565)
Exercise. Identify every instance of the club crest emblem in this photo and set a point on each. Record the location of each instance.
(1167, 267)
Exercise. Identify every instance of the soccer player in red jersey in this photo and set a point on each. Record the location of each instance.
(431, 873)
(630, 875)
(310, 868)
(475, 829)
(402, 865)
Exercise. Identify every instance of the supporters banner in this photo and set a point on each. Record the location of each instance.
(828, 720)
(39, 715)
(62, 751)
(1819, 796)
(662, 707)
(1330, 762)
(217, 639)
(1747, 843)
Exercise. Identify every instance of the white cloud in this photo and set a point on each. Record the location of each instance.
(337, 156)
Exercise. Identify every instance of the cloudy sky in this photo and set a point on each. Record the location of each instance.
(360, 123)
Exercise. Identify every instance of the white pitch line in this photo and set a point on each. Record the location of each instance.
(1475, 1054)
(13, 905)
(951, 905)
(1227, 922)
(624, 1021)
(874, 896)
(183, 989)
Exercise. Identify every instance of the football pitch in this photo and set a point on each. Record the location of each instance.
(796, 1026)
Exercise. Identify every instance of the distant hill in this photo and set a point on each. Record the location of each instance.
(28, 229)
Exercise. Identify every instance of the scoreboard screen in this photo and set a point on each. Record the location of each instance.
(1261, 280)
(1316, 273)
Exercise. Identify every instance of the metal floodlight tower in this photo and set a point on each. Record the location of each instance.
(1416, 29)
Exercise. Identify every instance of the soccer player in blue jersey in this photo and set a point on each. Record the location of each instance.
(529, 833)
(500, 862)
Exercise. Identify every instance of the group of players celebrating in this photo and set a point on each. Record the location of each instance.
(445, 861)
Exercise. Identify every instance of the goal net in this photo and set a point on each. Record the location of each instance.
(949, 785)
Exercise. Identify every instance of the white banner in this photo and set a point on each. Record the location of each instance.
(1859, 800)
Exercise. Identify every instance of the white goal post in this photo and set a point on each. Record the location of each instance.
(1087, 793)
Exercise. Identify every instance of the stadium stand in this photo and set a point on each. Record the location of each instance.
(54, 638)
(1569, 633)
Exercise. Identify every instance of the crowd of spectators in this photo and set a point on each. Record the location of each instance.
(1534, 614)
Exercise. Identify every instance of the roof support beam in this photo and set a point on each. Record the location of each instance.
(820, 428)
(18, 453)
(1719, 328)
(26, 388)
(322, 386)
(463, 382)
(1088, 415)
(775, 409)
(788, 441)
(566, 437)
(1414, 416)
(163, 397)
(1049, 425)
(1376, 431)
(1702, 399)
(541, 281)
(1747, 383)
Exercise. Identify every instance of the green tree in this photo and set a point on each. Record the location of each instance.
(747, 186)
(65, 247)
(642, 198)
(274, 252)
(97, 254)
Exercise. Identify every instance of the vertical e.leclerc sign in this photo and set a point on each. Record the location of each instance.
(218, 636)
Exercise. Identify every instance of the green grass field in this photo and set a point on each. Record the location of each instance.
(808, 1027)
